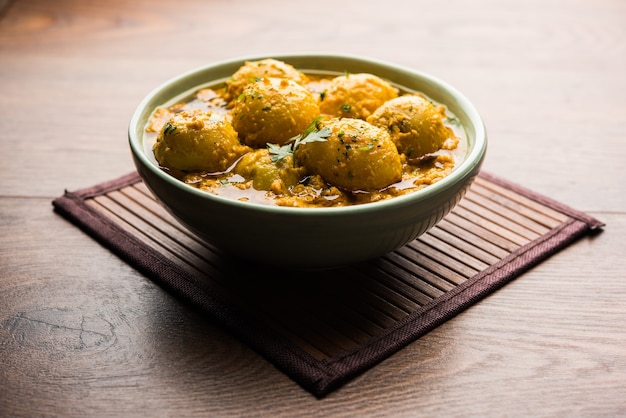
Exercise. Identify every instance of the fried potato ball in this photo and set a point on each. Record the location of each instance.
(267, 174)
(414, 123)
(273, 110)
(254, 70)
(355, 156)
(198, 140)
(356, 95)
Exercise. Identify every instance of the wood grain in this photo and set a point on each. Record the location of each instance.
(82, 334)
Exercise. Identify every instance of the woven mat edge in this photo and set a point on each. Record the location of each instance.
(318, 377)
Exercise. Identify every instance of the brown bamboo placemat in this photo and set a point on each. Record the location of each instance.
(323, 328)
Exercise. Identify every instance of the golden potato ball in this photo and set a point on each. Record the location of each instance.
(273, 110)
(198, 141)
(266, 174)
(355, 95)
(355, 156)
(415, 124)
(254, 70)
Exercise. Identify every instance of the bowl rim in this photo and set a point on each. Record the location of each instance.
(473, 158)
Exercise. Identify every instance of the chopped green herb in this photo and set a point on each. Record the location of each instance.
(279, 152)
(310, 134)
(346, 107)
(168, 129)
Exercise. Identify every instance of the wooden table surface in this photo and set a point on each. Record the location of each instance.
(83, 334)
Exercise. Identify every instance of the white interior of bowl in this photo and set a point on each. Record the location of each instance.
(436, 89)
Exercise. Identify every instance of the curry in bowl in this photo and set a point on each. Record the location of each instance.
(274, 135)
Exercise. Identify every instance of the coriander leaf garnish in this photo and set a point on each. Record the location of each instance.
(310, 134)
(168, 128)
(278, 153)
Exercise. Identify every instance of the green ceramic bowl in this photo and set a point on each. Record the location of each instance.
(311, 237)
